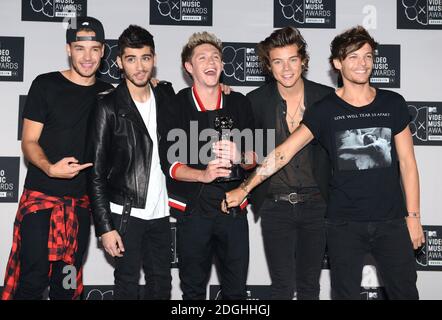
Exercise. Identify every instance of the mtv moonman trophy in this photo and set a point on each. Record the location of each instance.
(223, 125)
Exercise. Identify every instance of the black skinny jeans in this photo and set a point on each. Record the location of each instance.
(199, 240)
(389, 242)
(34, 264)
(294, 244)
(147, 244)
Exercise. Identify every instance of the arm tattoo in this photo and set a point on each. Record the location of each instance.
(272, 163)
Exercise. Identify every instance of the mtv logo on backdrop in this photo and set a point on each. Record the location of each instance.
(304, 13)
(52, 10)
(241, 65)
(109, 70)
(11, 58)
(429, 255)
(387, 66)
(419, 14)
(255, 292)
(426, 122)
(98, 293)
(373, 293)
(181, 12)
(9, 174)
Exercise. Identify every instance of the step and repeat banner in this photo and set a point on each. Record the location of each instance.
(408, 61)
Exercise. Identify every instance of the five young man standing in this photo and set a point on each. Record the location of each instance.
(334, 148)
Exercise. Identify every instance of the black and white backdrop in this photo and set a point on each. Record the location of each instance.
(32, 41)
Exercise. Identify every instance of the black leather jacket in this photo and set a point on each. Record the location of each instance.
(120, 148)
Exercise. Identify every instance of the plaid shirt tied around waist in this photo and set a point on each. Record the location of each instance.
(62, 239)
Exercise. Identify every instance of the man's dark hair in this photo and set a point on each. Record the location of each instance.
(281, 38)
(349, 41)
(135, 37)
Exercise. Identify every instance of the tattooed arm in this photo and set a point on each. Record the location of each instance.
(277, 159)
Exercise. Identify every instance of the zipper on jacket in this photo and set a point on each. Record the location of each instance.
(149, 165)
(135, 159)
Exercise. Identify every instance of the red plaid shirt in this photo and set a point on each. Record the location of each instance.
(62, 240)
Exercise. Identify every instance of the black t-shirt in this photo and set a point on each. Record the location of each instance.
(360, 141)
(63, 107)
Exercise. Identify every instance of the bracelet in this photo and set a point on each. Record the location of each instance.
(414, 215)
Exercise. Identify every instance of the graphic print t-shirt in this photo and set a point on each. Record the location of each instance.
(360, 141)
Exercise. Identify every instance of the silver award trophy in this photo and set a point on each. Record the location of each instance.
(223, 126)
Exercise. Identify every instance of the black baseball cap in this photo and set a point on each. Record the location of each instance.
(81, 23)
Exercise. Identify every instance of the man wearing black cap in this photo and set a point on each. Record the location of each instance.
(51, 229)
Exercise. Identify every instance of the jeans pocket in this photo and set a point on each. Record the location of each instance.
(335, 223)
(267, 206)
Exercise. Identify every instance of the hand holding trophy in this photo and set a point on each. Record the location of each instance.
(227, 149)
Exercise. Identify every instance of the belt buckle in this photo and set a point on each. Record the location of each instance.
(292, 197)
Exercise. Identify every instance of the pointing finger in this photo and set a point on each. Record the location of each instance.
(85, 165)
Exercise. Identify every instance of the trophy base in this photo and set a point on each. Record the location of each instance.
(236, 174)
(227, 179)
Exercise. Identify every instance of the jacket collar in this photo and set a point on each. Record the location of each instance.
(199, 104)
(127, 108)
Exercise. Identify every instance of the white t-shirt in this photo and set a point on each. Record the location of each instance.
(157, 200)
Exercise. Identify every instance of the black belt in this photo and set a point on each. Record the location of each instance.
(294, 197)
